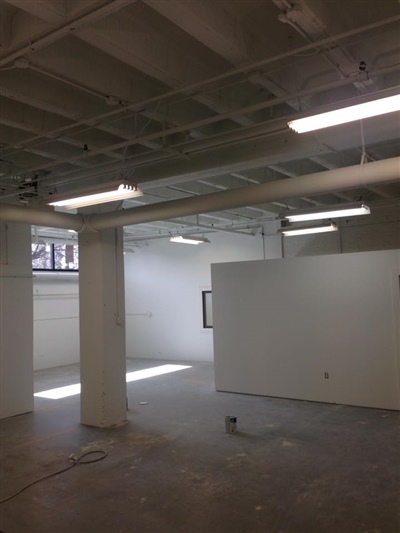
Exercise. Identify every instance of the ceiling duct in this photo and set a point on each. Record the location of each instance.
(385, 171)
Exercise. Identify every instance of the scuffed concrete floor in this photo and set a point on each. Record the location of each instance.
(293, 466)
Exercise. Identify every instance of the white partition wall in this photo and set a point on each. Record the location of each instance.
(55, 319)
(164, 283)
(320, 328)
(16, 318)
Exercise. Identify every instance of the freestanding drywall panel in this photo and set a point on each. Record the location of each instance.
(320, 328)
(55, 319)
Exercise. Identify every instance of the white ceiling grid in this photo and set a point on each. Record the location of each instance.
(187, 98)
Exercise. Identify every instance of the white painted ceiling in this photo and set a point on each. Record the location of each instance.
(188, 97)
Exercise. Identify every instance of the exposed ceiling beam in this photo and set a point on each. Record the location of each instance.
(218, 29)
(135, 52)
(56, 32)
(212, 120)
(54, 11)
(31, 95)
(253, 66)
(306, 22)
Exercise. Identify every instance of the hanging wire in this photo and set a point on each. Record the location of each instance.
(364, 157)
(74, 460)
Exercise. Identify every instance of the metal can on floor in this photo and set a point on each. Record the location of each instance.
(230, 424)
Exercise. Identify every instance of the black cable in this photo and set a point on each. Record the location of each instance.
(75, 461)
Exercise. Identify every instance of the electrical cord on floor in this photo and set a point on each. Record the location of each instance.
(74, 462)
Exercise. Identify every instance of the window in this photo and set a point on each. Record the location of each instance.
(55, 257)
(207, 309)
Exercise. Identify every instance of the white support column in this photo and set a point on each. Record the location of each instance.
(102, 328)
(16, 320)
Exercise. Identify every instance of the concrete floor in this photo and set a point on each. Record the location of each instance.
(293, 466)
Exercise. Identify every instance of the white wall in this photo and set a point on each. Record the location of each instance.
(56, 319)
(16, 315)
(280, 325)
(166, 280)
(163, 284)
(161, 278)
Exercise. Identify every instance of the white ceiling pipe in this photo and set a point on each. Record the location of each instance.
(131, 239)
(40, 217)
(191, 227)
(189, 231)
(358, 176)
(174, 233)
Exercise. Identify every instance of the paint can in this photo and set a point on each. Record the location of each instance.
(230, 424)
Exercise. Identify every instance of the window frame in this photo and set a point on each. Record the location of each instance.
(206, 324)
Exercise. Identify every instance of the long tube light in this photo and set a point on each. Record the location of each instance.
(189, 240)
(307, 230)
(346, 114)
(111, 192)
(348, 210)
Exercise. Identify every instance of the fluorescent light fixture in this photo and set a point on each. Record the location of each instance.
(101, 194)
(189, 240)
(335, 211)
(73, 390)
(307, 230)
(346, 114)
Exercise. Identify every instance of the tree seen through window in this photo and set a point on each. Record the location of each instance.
(55, 256)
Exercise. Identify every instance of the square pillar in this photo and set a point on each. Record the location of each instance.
(102, 328)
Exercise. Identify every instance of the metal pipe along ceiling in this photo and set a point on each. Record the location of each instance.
(358, 176)
(40, 217)
(385, 171)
